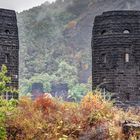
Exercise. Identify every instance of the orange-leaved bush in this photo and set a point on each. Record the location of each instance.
(47, 118)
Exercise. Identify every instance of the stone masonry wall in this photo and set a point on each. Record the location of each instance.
(116, 53)
(9, 45)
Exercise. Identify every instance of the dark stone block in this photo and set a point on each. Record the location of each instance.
(60, 90)
(37, 90)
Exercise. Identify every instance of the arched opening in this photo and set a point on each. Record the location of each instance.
(7, 32)
(126, 31)
(103, 32)
(104, 79)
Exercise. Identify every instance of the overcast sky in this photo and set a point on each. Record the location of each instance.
(20, 5)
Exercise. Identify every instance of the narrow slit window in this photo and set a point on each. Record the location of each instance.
(126, 57)
(15, 76)
(7, 58)
(128, 96)
(104, 59)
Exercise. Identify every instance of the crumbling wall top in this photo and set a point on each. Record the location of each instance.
(7, 12)
(122, 13)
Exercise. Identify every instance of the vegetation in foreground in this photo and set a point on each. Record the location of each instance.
(51, 119)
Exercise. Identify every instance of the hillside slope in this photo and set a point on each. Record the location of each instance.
(61, 32)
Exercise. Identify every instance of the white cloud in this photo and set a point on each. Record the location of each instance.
(20, 5)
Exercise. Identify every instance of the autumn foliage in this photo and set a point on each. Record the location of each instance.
(50, 119)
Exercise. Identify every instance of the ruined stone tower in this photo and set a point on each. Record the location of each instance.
(116, 53)
(9, 46)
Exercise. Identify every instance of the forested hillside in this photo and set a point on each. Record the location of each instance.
(55, 41)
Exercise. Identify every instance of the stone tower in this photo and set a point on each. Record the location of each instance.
(116, 53)
(9, 46)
